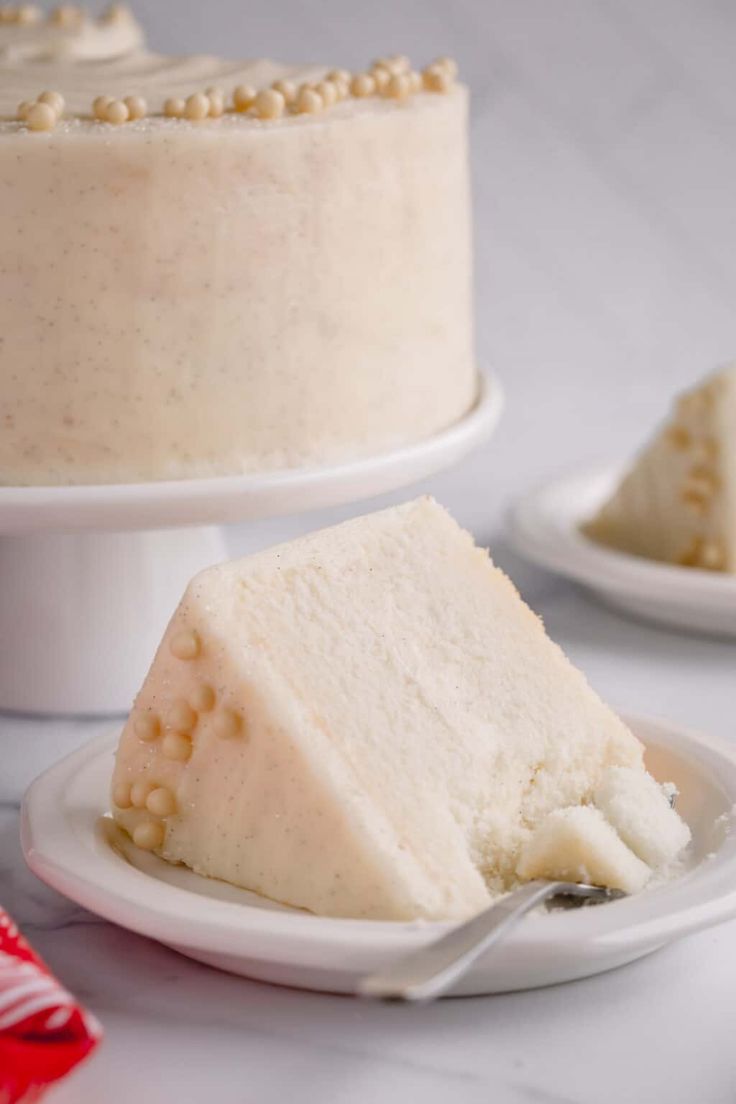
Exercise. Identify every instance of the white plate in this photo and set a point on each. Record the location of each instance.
(73, 847)
(545, 527)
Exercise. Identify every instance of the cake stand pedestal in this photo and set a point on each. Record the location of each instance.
(89, 575)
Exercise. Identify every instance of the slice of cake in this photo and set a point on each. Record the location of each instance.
(365, 722)
(678, 501)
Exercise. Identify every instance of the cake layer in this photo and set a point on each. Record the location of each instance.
(578, 844)
(641, 813)
(182, 298)
(367, 721)
(677, 503)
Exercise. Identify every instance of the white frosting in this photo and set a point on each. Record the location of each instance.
(52, 46)
(184, 299)
(404, 723)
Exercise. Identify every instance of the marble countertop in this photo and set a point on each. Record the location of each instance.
(606, 277)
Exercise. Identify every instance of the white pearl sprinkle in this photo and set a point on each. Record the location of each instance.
(139, 791)
(41, 117)
(121, 795)
(309, 102)
(243, 97)
(339, 75)
(436, 78)
(28, 13)
(174, 108)
(448, 64)
(137, 107)
(202, 698)
(398, 88)
(147, 727)
(227, 724)
(185, 645)
(55, 100)
(117, 112)
(161, 802)
(381, 75)
(148, 835)
(177, 746)
(287, 89)
(66, 15)
(362, 84)
(180, 716)
(116, 13)
(197, 107)
(328, 91)
(217, 104)
(269, 104)
(100, 105)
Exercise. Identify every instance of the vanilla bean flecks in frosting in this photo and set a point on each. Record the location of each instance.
(200, 278)
(198, 88)
(66, 34)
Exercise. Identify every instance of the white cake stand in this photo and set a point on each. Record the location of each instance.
(89, 575)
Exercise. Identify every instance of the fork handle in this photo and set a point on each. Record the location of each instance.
(427, 973)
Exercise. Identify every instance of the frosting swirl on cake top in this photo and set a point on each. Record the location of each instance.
(67, 34)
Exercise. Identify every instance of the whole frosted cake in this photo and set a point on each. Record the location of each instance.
(369, 722)
(214, 267)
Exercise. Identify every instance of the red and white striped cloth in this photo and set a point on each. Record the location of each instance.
(44, 1033)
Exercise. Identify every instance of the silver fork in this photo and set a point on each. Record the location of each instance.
(429, 972)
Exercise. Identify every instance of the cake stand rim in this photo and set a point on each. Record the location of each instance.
(254, 496)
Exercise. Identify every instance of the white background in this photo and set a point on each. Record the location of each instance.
(604, 150)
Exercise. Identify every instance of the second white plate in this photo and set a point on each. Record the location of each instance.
(545, 527)
(72, 844)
